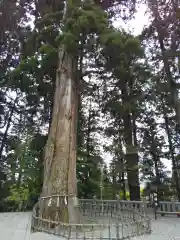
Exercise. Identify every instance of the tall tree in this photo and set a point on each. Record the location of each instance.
(163, 35)
(60, 151)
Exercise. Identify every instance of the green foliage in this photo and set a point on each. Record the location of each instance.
(70, 41)
(111, 38)
(80, 23)
(47, 49)
(122, 195)
(18, 194)
(128, 194)
(122, 91)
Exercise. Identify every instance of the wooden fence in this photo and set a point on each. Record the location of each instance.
(165, 208)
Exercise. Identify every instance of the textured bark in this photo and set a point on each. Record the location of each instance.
(132, 158)
(171, 151)
(156, 160)
(123, 186)
(60, 150)
(172, 84)
(167, 68)
(7, 126)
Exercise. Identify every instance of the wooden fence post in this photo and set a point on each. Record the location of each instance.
(144, 206)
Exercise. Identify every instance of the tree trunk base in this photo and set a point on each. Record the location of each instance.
(57, 211)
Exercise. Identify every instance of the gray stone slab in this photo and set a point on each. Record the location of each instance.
(16, 226)
(44, 236)
(166, 228)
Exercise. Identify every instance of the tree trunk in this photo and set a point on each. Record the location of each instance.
(121, 165)
(133, 174)
(123, 186)
(114, 181)
(87, 172)
(60, 150)
(156, 160)
(7, 127)
(171, 151)
(172, 84)
(132, 158)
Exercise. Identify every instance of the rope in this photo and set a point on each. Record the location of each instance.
(69, 195)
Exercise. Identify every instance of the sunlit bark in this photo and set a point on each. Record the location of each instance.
(60, 151)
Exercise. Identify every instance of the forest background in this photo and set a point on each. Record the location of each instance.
(128, 112)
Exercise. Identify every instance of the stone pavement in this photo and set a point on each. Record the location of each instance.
(16, 226)
(164, 228)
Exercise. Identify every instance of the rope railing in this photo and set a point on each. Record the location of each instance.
(96, 220)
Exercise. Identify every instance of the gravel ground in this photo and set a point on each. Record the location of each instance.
(16, 226)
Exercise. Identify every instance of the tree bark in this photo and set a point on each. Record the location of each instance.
(121, 165)
(156, 160)
(7, 127)
(171, 151)
(123, 186)
(132, 158)
(171, 82)
(88, 153)
(60, 150)
(114, 175)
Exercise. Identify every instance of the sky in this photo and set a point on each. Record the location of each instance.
(137, 24)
